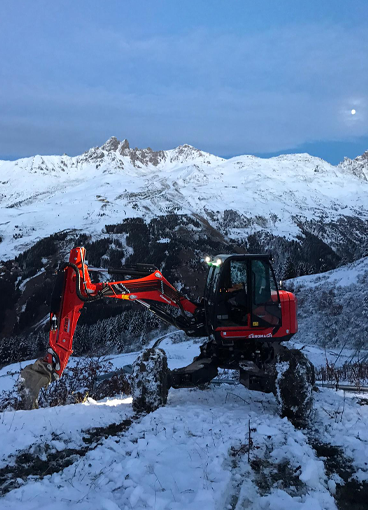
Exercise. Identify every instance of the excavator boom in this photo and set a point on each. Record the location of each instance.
(145, 285)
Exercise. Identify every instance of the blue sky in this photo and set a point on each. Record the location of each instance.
(229, 77)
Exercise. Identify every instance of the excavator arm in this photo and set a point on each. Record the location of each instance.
(144, 284)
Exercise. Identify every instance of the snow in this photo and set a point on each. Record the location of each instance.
(23, 285)
(191, 454)
(342, 276)
(176, 457)
(332, 309)
(312, 472)
(42, 195)
(23, 428)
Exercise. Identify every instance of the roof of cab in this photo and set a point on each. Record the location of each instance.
(239, 256)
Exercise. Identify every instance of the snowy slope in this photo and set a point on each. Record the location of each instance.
(333, 306)
(192, 454)
(47, 194)
(350, 274)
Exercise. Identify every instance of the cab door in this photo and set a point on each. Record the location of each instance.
(266, 307)
(227, 302)
(210, 296)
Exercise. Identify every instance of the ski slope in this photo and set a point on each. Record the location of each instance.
(192, 454)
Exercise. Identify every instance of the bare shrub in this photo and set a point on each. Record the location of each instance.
(76, 385)
(353, 372)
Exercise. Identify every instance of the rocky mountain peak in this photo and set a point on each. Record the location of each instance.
(124, 145)
(111, 145)
(357, 166)
(187, 150)
(145, 157)
(363, 157)
(113, 148)
(185, 153)
(114, 145)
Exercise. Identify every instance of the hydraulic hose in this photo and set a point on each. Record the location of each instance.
(86, 299)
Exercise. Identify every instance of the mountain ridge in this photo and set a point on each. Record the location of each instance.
(242, 196)
(357, 166)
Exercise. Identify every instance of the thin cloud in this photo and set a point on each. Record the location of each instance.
(226, 93)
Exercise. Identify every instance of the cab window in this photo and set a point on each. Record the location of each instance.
(238, 273)
(266, 309)
(232, 308)
(261, 282)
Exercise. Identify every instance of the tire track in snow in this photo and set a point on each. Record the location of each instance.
(40, 460)
(279, 470)
(339, 437)
(193, 454)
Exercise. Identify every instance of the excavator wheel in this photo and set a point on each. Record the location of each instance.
(149, 380)
(294, 386)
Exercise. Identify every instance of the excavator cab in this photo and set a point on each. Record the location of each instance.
(242, 299)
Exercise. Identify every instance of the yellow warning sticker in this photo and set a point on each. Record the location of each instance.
(255, 323)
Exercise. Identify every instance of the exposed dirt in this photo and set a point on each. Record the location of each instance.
(43, 460)
(114, 429)
(363, 402)
(350, 493)
(269, 475)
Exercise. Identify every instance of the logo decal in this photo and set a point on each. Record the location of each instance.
(252, 335)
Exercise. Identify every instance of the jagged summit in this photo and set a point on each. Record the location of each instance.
(114, 150)
(357, 166)
(113, 144)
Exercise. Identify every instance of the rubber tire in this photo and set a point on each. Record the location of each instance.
(295, 381)
(149, 380)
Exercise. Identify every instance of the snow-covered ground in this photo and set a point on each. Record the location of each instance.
(350, 274)
(192, 454)
(333, 307)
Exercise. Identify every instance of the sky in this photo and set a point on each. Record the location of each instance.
(230, 77)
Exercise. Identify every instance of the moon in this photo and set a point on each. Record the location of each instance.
(353, 112)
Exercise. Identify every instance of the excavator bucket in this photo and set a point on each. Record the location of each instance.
(32, 379)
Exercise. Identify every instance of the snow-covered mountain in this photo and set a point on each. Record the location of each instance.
(241, 196)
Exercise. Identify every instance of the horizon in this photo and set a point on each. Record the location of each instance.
(301, 150)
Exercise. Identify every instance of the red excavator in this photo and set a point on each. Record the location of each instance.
(243, 316)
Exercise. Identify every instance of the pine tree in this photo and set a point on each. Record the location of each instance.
(289, 270)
